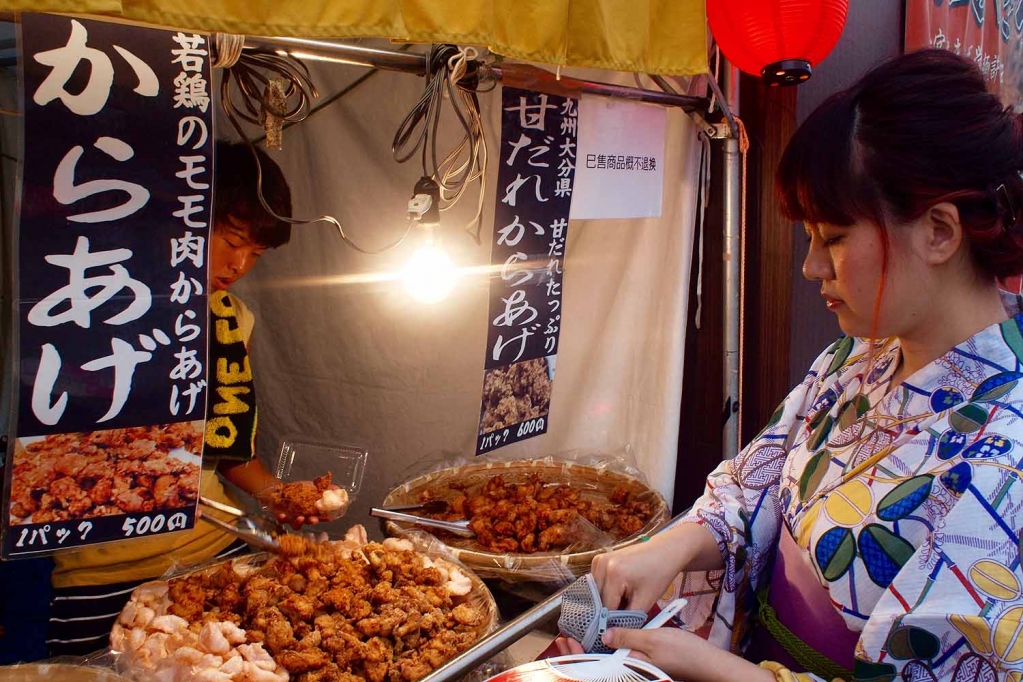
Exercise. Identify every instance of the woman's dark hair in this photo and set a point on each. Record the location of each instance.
(235, 193)
(913, 132)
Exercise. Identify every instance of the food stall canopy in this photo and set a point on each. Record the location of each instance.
(667, 37)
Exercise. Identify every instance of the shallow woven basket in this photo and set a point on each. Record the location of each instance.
(542, 567)
(479, 596)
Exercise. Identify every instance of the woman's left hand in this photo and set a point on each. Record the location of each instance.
(679, 653)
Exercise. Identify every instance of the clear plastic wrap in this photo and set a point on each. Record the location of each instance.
(152, 642)
(63, 669)
(593, 476)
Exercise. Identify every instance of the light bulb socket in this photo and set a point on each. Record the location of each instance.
(424, 206)
(786, 72)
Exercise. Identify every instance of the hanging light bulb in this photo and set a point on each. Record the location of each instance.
(429, 275)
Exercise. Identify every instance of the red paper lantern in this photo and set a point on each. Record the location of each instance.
(779, 40)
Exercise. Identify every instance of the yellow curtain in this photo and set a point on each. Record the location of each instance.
(653, 36)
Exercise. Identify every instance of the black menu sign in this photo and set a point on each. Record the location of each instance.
(537, 170)
(112, 274)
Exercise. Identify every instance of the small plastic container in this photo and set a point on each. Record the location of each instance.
(301, 462)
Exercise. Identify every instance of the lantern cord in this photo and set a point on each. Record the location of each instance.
(704, 193)
(717, 69)
(743, 149)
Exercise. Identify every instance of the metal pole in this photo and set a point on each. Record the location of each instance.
(530, 77)
(518, 75)
(732, 271)
(342, 53)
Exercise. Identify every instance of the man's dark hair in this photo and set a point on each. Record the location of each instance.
(235, 193)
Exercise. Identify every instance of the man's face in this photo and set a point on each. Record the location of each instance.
(232, 253)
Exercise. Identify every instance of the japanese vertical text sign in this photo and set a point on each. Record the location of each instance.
(538, 143)
(111, 306)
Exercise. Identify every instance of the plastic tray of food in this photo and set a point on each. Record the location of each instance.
(379, 610)
(522, 511)
(317, 479)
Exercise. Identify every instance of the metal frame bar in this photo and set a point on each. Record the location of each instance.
(519, 75)
(732, 366)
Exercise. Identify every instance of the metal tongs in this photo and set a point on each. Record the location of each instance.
(256, 531)
(459, 528)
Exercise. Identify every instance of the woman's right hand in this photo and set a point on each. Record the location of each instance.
(634, 577)
(638, 575)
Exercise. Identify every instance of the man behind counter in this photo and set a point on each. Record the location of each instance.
(92, 585)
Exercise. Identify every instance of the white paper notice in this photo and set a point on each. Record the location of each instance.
(619, 161)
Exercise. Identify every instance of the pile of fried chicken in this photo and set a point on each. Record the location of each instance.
(103, 473)
(362, 612)
(540, 516)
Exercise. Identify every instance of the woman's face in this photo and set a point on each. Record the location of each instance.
(847, 261)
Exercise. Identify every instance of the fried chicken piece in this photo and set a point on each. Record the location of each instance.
(349, 677)
(67, 494)
(102, 492)
(188, 598)
(279, 633)
(558, 535)
(161, 465)
(188, 483)
(165, 491)
(412, 666)
(138, 449)
(23, 503)
(70, 464)
(329, 673)
(627, 525)
(528, 544)
(382, 625)
(292, 544)
(375, 672)
(347, 649)
(50, 515)
(302, 661)
(323, 482)
(378, 654)
(464, 614)
(134, 500)
(297, 607)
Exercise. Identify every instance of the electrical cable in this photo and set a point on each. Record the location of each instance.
(458, 74)
(252, 75)
(339, 94)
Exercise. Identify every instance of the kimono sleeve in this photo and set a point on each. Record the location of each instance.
(740, 505)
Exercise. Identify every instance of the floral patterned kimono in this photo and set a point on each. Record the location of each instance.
(908, 504)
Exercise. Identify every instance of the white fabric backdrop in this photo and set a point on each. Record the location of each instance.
(340, 356)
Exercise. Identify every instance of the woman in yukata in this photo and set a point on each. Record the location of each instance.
(872, 531)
